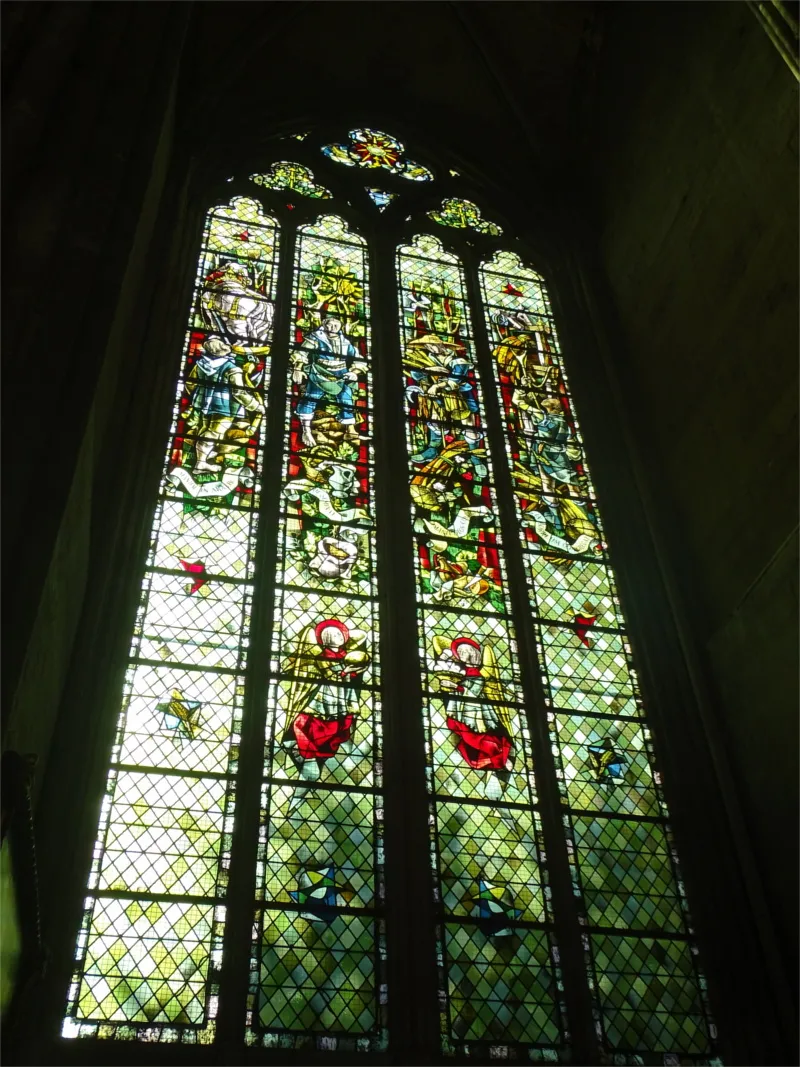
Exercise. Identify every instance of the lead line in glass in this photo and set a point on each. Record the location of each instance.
(642, 967)
(500, 986)
(318, 948)
(149, 950)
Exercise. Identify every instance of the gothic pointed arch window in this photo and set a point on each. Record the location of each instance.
(382, 754)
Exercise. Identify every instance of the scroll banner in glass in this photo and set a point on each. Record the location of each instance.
(642, 961)
(149, 952)
(499, 981)
(319, 946)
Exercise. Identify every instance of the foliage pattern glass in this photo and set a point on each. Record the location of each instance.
(463, 215)
(640, 952)
(319, 943)
(294, 177)
(149, 950)
(499, 981)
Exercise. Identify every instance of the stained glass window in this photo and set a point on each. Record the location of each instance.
(518, 789)
(642, 959)
(318, 942)
(499, 982)
(149, 950)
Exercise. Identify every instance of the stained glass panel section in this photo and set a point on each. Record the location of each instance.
(463, 215)
(500, 986)
(292, 176)
(318, 950)
(149, 952)
(380, 198)
(375, 150)
(641, 956)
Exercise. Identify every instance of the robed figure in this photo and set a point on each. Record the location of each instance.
(466, 672)
(323, 699)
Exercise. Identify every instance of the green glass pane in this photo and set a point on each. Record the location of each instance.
(500, 990)
(452, 775)
(147, 962)
(463, 215)
(649, 992)
(567, 589)
(293, 177)
(497, 846)
(626, 874)
(318, 977)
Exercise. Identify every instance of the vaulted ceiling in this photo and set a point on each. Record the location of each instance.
(504, 81)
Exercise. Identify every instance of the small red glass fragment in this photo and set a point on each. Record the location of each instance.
(584, 623)
(511, 290)
(197, 568)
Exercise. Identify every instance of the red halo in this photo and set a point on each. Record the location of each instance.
(455, 644)
(340, 626)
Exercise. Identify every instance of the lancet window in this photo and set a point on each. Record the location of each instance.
(258, 728)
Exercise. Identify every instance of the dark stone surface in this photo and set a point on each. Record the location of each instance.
(694, 185)
(84, 117)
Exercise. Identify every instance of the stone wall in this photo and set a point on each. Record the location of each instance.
(86, 144)
(693, 188)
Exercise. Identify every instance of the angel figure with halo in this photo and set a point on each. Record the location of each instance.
(466, 671)
(323, 701)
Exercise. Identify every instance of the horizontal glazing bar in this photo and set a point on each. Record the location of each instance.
(177, 664)
(173, 771)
